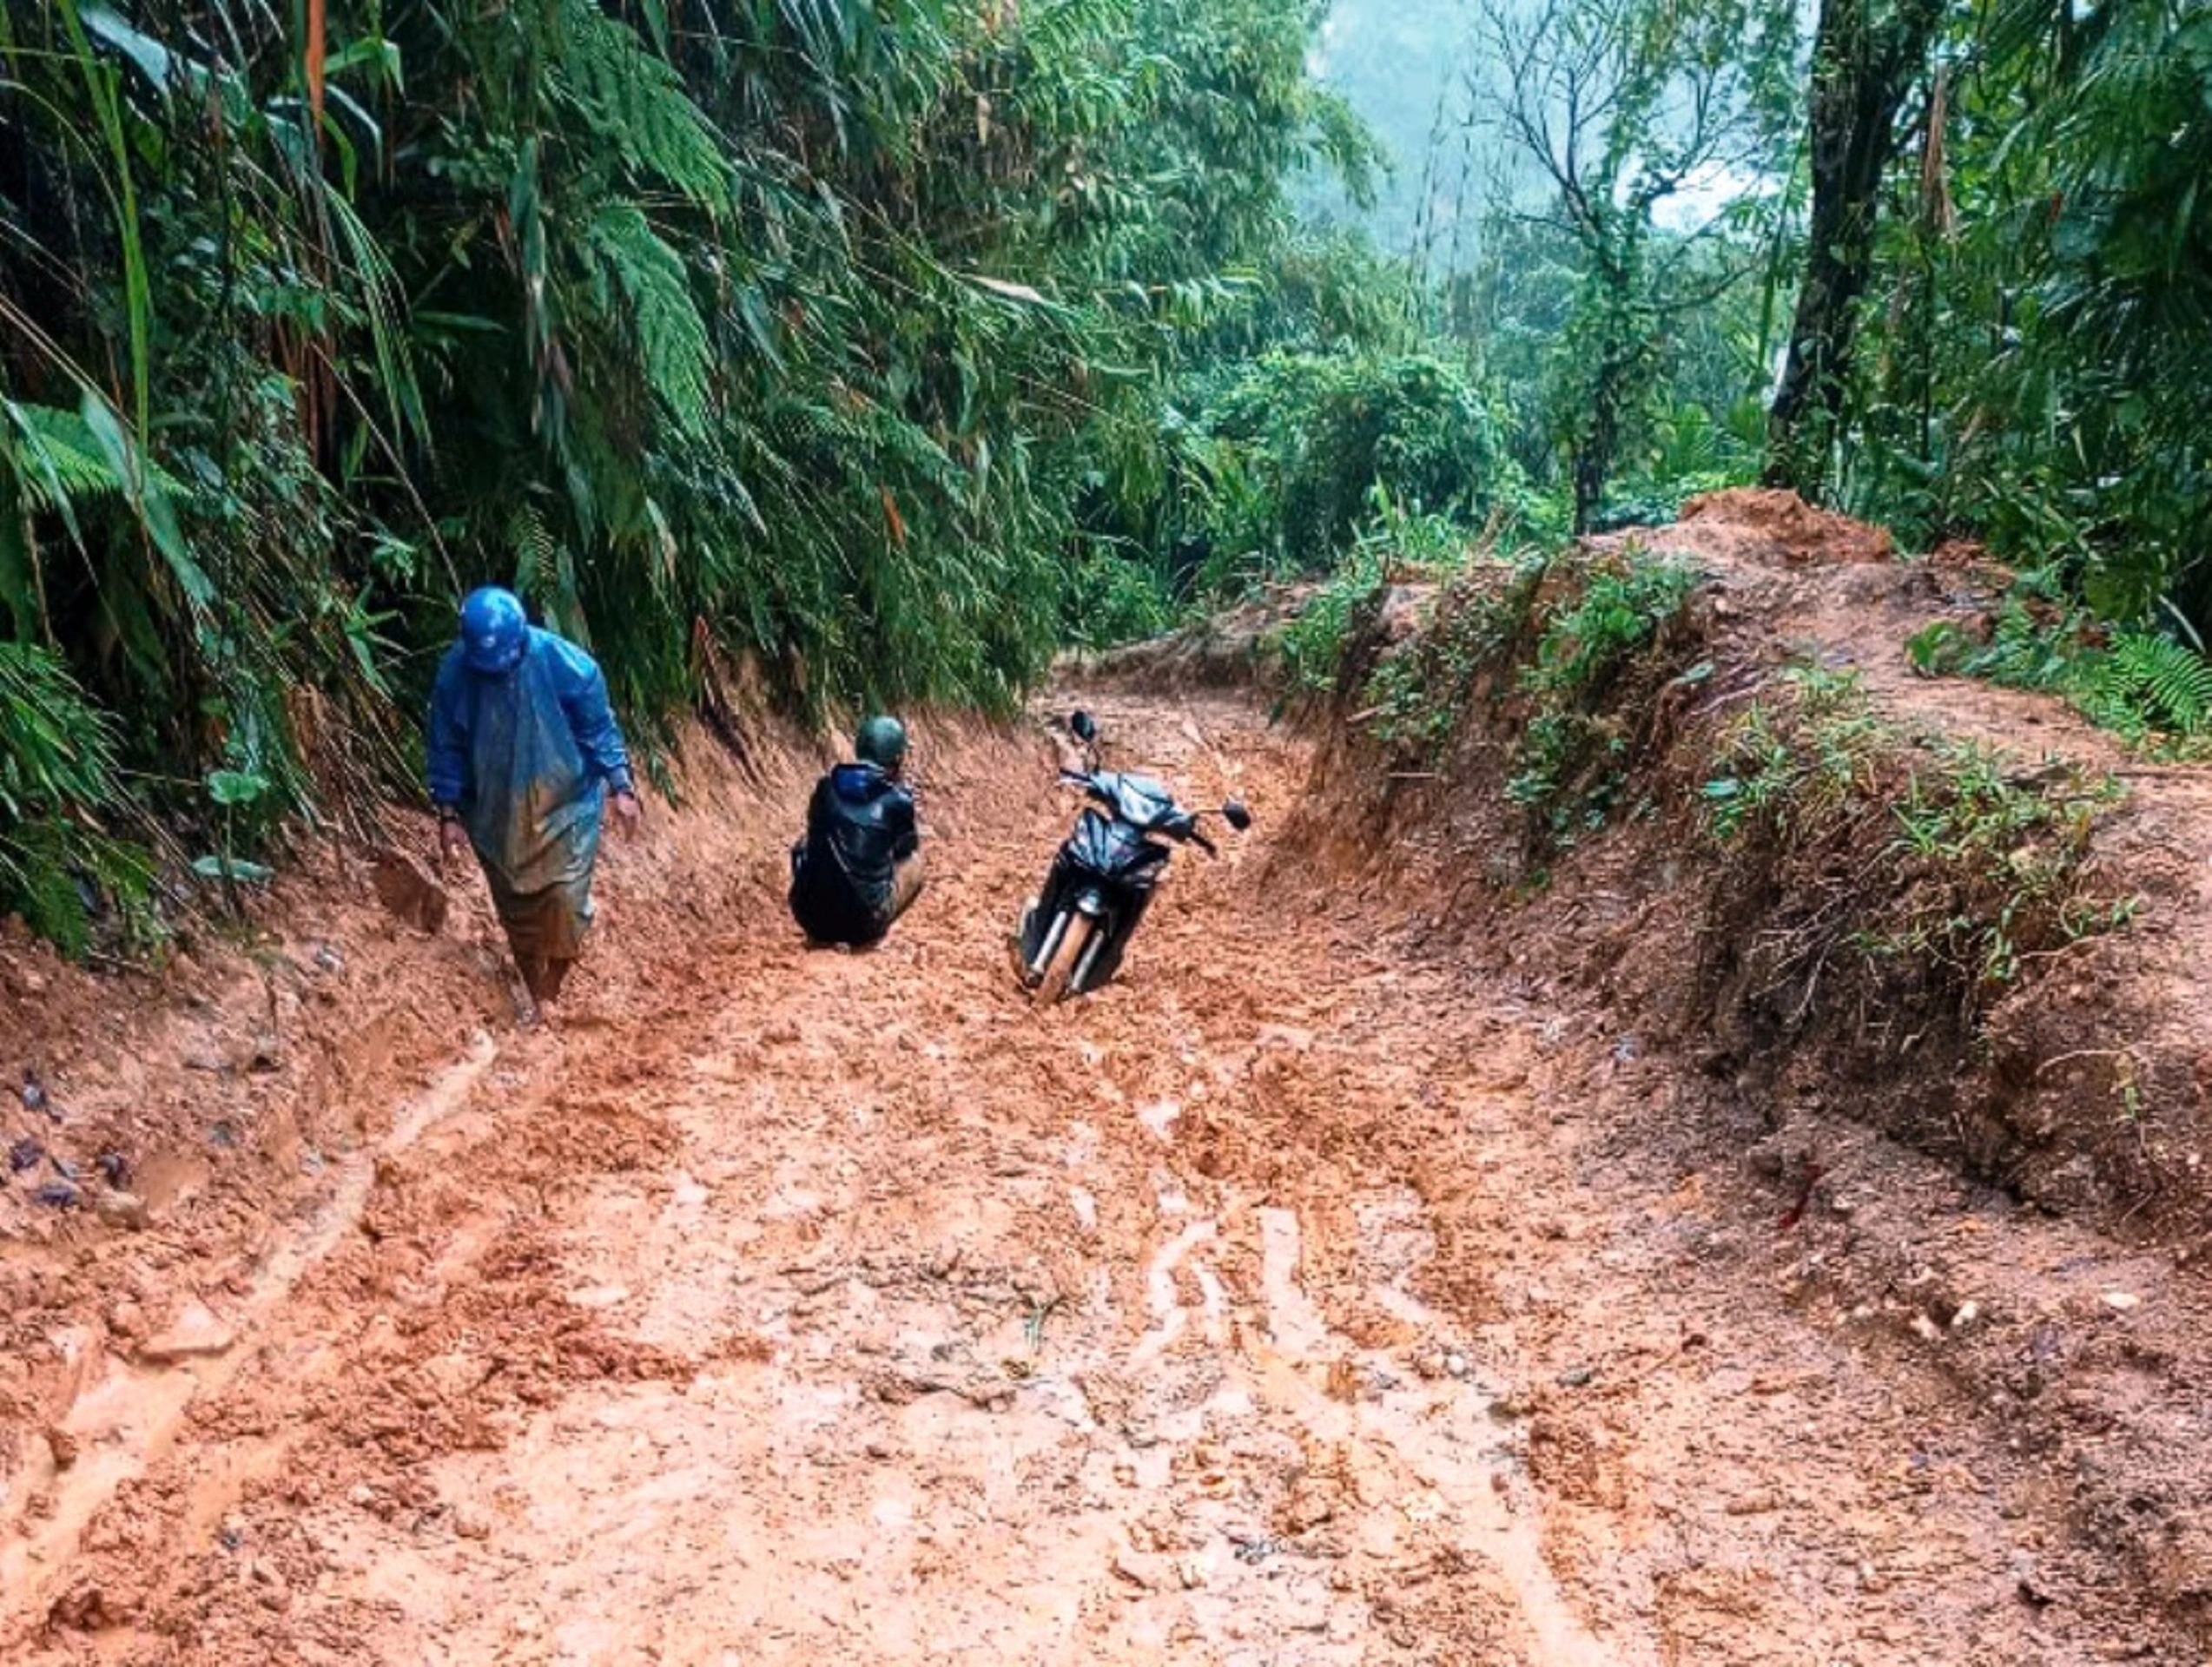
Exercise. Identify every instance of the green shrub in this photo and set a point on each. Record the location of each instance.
(57, 778)
(1297, 450)
(2147, 687)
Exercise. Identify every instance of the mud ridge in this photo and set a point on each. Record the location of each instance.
(2007, 1183)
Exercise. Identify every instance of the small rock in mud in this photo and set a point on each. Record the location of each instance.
(196, 1333)
(1308, 1507)
(36, 1097)
(2121, 1301)
(1145, 1573)
(114, 1169)
(471, 1523)
(59, 1194)
(1577, 1377)
(62, 1445)
(409, 890)
(25, 1154)
(124, 1209)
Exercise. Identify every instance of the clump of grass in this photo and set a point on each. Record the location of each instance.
(1417, 698)
(1578, 631)
(1397, 546)
(1573, 760)
(1946, 855)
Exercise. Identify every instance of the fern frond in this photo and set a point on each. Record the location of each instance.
(636, 101)
(673, 346)
(2168, 682)
(56, 749)
(56, 461)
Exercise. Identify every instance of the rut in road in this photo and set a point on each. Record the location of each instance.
(833, 1306)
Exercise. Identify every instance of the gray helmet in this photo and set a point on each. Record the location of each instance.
(882, 742)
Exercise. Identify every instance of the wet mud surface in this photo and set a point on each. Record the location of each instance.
(1295, 1301)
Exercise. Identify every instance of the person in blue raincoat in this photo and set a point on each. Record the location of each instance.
(524, 752)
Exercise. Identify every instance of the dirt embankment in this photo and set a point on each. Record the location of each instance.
(1941, 1008)
(1238, 650)
(1994, 944)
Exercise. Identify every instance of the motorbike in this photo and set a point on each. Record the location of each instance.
(1074, 933)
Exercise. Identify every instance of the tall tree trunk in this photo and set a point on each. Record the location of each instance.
(1863, 67)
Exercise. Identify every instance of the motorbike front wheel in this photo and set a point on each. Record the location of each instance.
(1059, 979)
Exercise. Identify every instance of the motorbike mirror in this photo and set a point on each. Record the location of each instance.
(1237, 814)
(1086, 727)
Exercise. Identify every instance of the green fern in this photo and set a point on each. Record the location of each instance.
(2169, 683)
(673, 348)
(544, 571)
(57, 773)
(57, 751)
(56, 461)
(636, 101)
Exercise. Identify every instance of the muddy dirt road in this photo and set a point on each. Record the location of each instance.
(1287, 1304)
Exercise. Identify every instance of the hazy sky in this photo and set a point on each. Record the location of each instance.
(1394, 60)
(1397, 61)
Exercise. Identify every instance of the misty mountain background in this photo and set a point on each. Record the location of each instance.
(1401, 65)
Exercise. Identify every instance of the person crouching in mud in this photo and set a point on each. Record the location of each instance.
(859, 867)
(523, 748)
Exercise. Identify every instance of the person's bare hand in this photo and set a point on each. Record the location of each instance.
(630, 815)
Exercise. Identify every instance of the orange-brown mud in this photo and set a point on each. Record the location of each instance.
(1303, 1299)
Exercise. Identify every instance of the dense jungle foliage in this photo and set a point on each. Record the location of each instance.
(850, 351)
(818, 344)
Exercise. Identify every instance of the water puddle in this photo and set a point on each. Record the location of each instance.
(1170, 1317)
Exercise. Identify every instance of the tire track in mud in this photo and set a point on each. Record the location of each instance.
(830, 1306)
(133, 1415)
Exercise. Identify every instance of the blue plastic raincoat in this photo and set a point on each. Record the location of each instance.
(525, 759)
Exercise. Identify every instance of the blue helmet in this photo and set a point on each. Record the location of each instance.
(494, 631)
